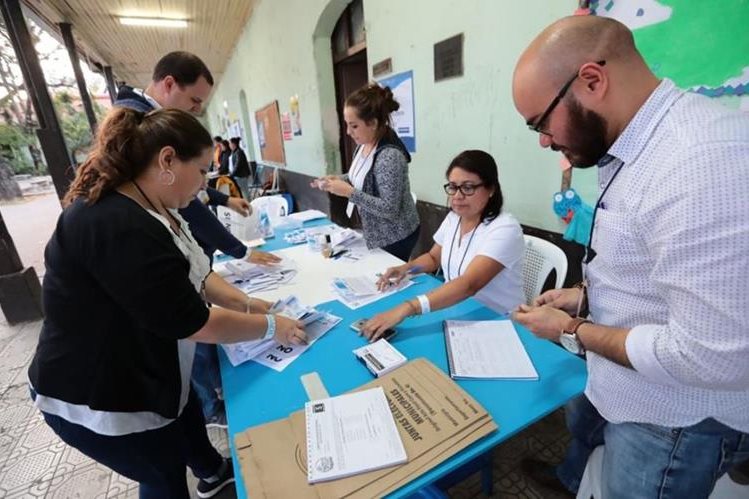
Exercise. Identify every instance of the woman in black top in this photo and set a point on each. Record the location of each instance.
(124, 298)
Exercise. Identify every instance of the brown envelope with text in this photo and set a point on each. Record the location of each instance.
(434, 416)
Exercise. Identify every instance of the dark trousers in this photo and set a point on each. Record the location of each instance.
(157, 459)
(402, 249)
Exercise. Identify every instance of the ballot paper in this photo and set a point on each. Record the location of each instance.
(241, 352)
(358, 291)
(253, 278)
(351, 434)
(271, 353)
(486, 349)
(278, 356)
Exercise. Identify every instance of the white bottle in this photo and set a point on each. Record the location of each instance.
(264, 226)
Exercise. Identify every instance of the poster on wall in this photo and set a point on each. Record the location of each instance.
(269, 134)
(404, 118)
(296, 118)
(286, 126)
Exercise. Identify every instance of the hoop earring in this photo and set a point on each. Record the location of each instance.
(169, 174)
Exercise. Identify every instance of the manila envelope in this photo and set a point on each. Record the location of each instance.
(434, 416)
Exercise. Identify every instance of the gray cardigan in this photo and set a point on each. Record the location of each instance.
(387, 210)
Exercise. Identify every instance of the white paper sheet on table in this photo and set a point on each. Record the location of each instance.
(241, 352)
(278, 356)
(353, 301)
(252, 278)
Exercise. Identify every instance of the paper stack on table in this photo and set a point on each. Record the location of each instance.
(252, 278)
(307, 215)
(355, 292)
(271, 353)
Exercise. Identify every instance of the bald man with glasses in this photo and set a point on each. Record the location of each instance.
(667, 271)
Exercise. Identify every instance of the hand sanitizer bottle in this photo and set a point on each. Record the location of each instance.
(264, 226)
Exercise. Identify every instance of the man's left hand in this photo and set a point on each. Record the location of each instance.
(240, 206)
(545, 322)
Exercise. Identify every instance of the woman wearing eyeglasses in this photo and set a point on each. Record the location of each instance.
(479, 247)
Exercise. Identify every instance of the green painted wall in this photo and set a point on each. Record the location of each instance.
(285, 50)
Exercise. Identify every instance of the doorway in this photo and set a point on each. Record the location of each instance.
(349, 46)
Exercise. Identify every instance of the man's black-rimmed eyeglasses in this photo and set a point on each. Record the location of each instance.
(536, 127)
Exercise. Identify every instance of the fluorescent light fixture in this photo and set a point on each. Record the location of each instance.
(153, 21)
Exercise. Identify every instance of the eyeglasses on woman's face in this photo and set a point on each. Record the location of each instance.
(467, 188)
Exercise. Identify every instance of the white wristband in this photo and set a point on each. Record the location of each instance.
(248, 252)
(424, 302)
(270, 331)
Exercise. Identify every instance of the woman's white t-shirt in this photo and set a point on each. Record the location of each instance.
(502, 241)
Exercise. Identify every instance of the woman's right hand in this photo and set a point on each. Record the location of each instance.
(393, 275)
(322, 182)
(289, 331)
(564, 299)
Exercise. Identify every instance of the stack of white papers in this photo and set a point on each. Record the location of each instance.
(271, 353)
(253, 278)
(380, 357)
(307, 215)
(297, 236)
(278, 357)
(351, 434)
(486, 349)
(355, 292)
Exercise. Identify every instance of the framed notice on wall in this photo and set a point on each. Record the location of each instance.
(269, 134)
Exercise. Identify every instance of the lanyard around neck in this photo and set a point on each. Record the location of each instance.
(452, 243)
(590, 253)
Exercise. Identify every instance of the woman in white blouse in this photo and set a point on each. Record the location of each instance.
(479, 247)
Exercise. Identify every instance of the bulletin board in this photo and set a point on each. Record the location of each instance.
(269, 134)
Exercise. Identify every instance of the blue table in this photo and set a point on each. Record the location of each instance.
(256, 394)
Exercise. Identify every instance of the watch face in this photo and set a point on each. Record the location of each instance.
(570, 343)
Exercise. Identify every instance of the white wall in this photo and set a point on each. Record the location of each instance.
(285, 50)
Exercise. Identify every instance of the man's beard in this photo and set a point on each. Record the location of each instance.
(588, 143)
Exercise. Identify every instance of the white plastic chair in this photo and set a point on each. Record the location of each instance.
(541, 257)
(276, 206)
(590, 484)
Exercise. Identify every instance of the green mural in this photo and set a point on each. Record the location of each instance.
(700, 44)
